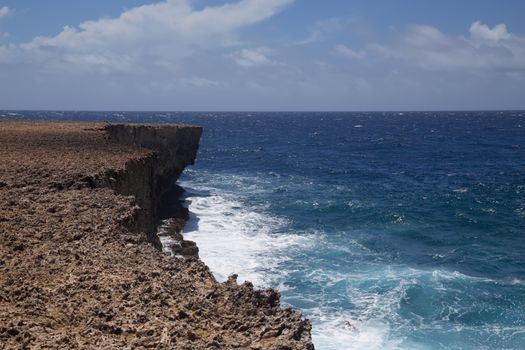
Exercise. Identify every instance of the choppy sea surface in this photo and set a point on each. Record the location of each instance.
(388, 230)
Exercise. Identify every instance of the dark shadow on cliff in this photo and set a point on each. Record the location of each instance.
(171, 204)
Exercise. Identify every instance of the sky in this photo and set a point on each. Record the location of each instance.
(262, 55)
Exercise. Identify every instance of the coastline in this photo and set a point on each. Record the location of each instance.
(81, 265)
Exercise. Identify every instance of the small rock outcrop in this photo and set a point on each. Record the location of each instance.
(78, 213)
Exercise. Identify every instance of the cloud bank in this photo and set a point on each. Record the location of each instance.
(159, 35)
(484, 49)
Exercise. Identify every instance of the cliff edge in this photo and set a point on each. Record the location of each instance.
(79, 260)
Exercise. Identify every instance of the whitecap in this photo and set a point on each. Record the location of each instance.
(236, 239)
(354, 203)
(342, 331)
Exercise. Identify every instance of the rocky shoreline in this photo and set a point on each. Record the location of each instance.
(80, 260)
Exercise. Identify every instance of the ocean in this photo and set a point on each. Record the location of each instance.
(387, 230)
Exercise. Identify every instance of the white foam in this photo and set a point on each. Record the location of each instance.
(365, 326)
(342, 332)
(517, 281)
(369, 324)
(166, 240)
(235, 239)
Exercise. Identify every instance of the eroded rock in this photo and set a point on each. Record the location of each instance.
(77, 265)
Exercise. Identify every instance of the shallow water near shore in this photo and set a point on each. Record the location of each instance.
(388, 230)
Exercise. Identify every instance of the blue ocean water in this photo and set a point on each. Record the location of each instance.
(388, 230)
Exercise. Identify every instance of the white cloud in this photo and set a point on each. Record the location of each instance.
(326, 28)
(486, 48)
(253, 57)
(200, 82)
(322, 29)
(426, 38)
(484, 32)
(349, 53)
(4, 11)
(157, 35)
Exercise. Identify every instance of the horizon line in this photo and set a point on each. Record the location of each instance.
(260, 111)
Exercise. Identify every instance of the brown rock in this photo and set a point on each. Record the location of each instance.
(79, 260)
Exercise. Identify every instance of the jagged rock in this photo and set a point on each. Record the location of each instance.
(185, 248)
(78, 262)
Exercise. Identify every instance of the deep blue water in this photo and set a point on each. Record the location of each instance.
(389, 230)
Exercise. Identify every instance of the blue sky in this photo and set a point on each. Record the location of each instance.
(262, 54)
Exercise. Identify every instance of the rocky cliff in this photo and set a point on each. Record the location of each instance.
(79, 207)
(147, 178)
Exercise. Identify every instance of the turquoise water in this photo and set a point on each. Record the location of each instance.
(388, 230)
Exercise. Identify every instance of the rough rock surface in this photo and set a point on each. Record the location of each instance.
(77, 265)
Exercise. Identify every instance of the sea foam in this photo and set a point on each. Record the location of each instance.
(234, 239)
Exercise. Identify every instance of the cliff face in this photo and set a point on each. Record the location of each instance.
(79, 207)
(174, 147)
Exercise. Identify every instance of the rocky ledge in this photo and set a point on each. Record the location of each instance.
(80, 264)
